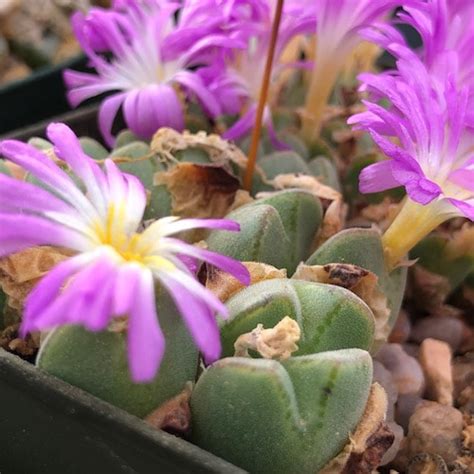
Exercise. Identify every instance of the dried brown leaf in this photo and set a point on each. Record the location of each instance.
(333, 221)
(166, 142)
(11, 342)
(174, 415)
(360, 281)
(20, 271)
(224, 285)
(307, 183)
(278, 342)
(199, 191)
(369, 442)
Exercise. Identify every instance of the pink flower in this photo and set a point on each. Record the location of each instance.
(117, 265)
(148, 61)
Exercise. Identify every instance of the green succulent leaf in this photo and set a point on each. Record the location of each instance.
(363, 247)
(281, 417)
(97, 363)
(93, 148)
(277, 230)
(324, 168)
(330, 317)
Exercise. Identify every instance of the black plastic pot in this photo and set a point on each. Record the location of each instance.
(49, 426)
(83, 121)
(37, 97)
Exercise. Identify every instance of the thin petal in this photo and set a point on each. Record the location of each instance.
(48, 289)
(18, 232)
(377, 177)
(146, 343)
(199, 320)
(229, 265)
(107, 112)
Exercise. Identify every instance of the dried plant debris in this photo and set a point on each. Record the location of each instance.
(173, 416)
(369, 442)
(278, 342)
(24, 348)
(360, 281)
(224, 285)
(381, 214)
(425, 463)
(166, 142)
(333, 222)
(20, 271)
(307, 183)
(199, 191)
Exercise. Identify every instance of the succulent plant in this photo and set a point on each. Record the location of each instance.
(282, 162)
(325, 169)
(291, 416)
(277, 230)
(97, 362)
(363, 247)
(330, 317)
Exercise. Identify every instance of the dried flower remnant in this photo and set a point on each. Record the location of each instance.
(434, 157)
(150, 57)
(116, 266)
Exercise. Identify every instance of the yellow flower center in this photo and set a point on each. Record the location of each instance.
(130, 247)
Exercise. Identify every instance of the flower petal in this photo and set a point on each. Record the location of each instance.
(377, 177)
(227, 264)
(199, 320)
(18, 232)
(107, 112)
(146, 343)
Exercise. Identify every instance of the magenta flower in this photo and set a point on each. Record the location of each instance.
(149, 54)
(432, 155)
(447, 31)
(339, 23)
(236, 79)
(117, 265)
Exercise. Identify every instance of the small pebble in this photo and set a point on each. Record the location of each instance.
(406, 371)
(435, 360)
(449, 330)
(465, 401)
(463, 373)
(406, 406)
(411, 349)
(385, 379)
(434, 429)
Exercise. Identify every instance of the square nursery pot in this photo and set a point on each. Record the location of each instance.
(82, 120)
(36, 97)
(49, 426)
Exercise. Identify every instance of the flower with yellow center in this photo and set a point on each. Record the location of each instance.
(116, 265)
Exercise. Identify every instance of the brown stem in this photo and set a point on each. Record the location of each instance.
(252, 157)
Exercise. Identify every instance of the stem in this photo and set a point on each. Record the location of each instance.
(322, 83)
(412, 224)
(257, 130)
